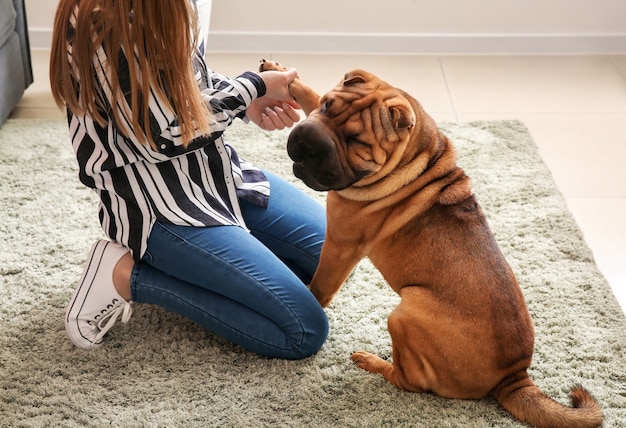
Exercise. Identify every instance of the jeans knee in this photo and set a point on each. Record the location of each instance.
(315, 333)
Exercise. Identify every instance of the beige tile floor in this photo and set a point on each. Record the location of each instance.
(574, 106)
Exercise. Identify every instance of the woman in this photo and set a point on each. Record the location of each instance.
(191, 226)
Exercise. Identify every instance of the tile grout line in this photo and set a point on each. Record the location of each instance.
(619, 70)
(445, 81)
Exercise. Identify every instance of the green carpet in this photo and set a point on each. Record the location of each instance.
(160, 370)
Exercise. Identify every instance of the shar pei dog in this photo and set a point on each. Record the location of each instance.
(396, 195)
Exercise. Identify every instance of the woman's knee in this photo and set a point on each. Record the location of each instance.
(315, 330)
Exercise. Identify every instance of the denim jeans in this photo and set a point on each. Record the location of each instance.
(249, 288)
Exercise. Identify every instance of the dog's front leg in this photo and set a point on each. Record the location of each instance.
(336, 264)
(344, 246)
(302, 93)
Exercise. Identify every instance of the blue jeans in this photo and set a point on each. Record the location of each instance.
(249, 288)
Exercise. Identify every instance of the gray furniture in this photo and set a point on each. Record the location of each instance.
(16, 71)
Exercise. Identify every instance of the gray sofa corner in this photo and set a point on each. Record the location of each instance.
(16, 71)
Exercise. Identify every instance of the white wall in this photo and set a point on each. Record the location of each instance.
(40, 16)
(421, 16)
(402, 26)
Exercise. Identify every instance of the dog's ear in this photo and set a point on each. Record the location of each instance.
(401, 116)
(353, 80)
(355, 77)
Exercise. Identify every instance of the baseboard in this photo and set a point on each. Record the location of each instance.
(40, 38)
(392, 43)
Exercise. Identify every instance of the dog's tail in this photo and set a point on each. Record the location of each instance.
(520, 397)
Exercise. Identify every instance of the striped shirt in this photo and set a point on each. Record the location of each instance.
(198, 185)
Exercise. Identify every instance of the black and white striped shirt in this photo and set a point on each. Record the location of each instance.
(197, 185)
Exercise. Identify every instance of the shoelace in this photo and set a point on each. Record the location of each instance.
(125, 309)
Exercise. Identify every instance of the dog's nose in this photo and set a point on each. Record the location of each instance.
(307, 142)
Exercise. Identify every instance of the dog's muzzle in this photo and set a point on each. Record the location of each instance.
(316, 158)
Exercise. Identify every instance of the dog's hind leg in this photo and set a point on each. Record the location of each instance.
(375, 364)
(409, 371)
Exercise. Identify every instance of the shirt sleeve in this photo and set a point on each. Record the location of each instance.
(227, 99)
(231, 97)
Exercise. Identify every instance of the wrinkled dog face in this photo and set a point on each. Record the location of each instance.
(356, 136)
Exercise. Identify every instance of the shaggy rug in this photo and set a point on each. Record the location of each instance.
(163, 370)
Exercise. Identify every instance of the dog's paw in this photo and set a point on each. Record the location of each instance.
(370, 362)
(267, 65)
(364, 359)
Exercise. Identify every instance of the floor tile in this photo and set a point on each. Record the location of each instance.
(38, 94)
(38, 113)
(602, 221)
(520, 84)
(620, 63)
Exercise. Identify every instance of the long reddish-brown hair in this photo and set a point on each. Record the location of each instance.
(162, 34)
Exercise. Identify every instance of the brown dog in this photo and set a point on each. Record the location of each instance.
(396, 195)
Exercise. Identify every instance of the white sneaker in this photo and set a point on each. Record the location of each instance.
(95, 305)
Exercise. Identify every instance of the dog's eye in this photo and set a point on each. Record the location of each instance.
(354, 141)
(326, 105)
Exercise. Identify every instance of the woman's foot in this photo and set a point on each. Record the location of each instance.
(96, 304)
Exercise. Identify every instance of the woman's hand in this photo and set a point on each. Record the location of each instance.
(277, 83)
(270, 114)
(276, 109)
